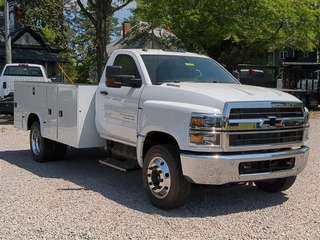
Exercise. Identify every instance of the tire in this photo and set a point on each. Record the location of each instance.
(165, 186)
(41, 148)
(59, 151)
(276, 185)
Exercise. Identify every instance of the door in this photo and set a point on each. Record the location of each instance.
(118, 107)
(51, 116)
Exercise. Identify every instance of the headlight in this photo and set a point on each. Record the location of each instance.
(205, 129)
(205, 121)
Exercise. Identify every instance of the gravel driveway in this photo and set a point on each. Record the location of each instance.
(79, 198)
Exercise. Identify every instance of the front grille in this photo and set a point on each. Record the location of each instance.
(273, 137)
(256, 113)
(263, 125)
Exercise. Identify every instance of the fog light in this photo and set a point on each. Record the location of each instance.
(196, 138)
(204, 139)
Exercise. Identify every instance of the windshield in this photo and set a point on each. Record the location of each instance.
(162, 68)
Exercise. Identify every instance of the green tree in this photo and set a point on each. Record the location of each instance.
(234, 31)
(100, 13)
(81, 34)
(1, 5)
(42, 15)
(48, 18)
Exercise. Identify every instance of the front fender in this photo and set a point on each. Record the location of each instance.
(172, 118)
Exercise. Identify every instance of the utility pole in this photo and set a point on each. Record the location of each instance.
(7, 11)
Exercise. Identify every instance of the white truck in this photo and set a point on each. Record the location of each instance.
(17, 72)
(181, 116)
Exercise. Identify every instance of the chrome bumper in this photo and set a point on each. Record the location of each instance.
(218, 169)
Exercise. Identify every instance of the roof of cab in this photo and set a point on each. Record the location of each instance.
(23, 65)
(146, 51)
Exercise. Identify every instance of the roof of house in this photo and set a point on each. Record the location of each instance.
(159, 37)
(45, 51)
(23, 55)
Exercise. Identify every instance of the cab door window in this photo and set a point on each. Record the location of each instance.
(128, 65)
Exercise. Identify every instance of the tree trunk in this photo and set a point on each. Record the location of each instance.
(101, 36)
(103, 10)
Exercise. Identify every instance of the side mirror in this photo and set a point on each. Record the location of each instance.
(112, 76)
(4, 85)
(115, 78)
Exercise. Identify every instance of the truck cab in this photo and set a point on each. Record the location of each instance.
(187, 104)
(164, 77)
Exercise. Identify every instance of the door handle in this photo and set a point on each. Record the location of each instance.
(104, 93)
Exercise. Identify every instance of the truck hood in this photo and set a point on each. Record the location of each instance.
(214, 94)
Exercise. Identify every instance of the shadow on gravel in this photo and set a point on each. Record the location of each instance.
(83, 169)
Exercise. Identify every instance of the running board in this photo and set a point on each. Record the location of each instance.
(124, 166)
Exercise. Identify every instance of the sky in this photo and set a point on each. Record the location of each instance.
(125, 12)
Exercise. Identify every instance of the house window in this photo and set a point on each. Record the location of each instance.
(305, 54)
(283, 54)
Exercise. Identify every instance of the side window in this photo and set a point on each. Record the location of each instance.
(283, 54)
(129, 67)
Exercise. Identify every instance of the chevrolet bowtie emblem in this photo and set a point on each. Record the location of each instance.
(272, 120)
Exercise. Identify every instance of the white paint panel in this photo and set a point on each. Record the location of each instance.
(50, 129)
(67, 114)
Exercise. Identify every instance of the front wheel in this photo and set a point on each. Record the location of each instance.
(41, 148)
(276, 185)
(162, 176)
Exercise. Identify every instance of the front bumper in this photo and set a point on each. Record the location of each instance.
(219, 169)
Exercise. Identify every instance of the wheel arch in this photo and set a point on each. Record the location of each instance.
(151, 139)
(31, 119)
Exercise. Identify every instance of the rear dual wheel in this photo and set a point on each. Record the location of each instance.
(43, 149)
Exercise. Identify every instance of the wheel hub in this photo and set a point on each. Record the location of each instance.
(158, 176)
(35, 142)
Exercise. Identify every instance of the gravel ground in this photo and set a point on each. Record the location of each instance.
(81, 199)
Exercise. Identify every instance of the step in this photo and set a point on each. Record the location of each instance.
(125, 166)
